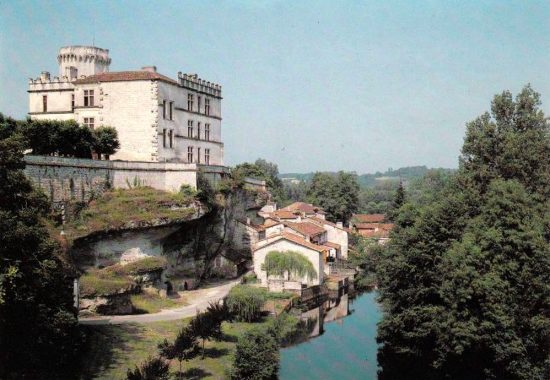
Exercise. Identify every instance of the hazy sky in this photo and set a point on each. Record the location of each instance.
(356, 85)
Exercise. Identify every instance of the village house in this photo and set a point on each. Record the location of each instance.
(158, 119)
(372, 226)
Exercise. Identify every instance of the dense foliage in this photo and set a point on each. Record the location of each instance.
(184, 347)
(338, 194)
(38, 328)
(150, 369)
(294, 264)
(465, 281)
(263, 170)
(256, 357)
(61, 137)
(245, 302)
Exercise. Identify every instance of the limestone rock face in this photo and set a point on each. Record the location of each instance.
(115, 304)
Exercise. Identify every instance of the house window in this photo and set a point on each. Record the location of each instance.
(72, 102)
(44, 103)
(190, 154)
(198, 155)
(88, 98)
(171, 138)
(164, 109)
(171, 111)
(198, 104)
(190, 128)
(164, 138)
(199, 130)
(189, 102)
(89, 122)
(207, 132)
(207, 106)
(207, 156)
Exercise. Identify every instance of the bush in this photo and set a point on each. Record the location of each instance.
(151, 369)
(246, 302)
(256, 357)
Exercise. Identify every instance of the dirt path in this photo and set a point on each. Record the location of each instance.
(198, 299)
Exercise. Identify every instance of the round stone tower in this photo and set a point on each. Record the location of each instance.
(77, 61)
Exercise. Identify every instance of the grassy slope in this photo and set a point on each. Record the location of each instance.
(118, 208)
(114, 349)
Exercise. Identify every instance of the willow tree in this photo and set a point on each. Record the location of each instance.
(279, 263)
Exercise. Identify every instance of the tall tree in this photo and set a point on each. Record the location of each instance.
(338, 195)
(184, 347)
(256, 357)
(38, 328)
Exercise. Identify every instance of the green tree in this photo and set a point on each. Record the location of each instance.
(292, 263)
(263, 170)
(184, 347)
(256, 357)
(398, 201)
(151, 369)
(245, 302)
(38, 329)
(205, 326)
(338, 195)
(464, 281)
(105, 141)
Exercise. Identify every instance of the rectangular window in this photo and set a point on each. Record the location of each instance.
(207, 132)
(190, 128)
(190, 154)
(207, 156)
(198, 104)
(72, 102)
(44, 103)
(164, 109)
(171, 138)
(199, 130)
(89, 122)
(189, 102)
(88, 98)
(198, 155)
(164, 138)
(171, 111)
(207, 106)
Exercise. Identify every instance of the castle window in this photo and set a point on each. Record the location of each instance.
(207, 132)
(164, 138)
(164, 109)
(190, 154)
(190, 128)
(171, 138)
(44, 103)
(206, 106)
(171, 111)
(198, 104)
(89, 122)
(199, 130)
(88, 98)
(198, 155)
(189, 102)
(72, 102)
(207, 156)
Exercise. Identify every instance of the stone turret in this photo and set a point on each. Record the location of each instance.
(77, 61)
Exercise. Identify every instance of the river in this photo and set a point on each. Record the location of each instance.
(344, 348)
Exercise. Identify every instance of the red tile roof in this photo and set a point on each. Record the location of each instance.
(303, 207)
(124, 76)
(303, 242)
(305, 228)
(323, 221)
(332, 245)
(283, 214)
(368, 218)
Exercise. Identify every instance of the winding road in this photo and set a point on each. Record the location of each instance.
(200, 298)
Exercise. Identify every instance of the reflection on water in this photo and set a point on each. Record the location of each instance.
(343, 344)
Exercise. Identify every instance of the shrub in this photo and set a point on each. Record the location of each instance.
(151, 369)
(105, 141)
(246, 302)
(256, 357)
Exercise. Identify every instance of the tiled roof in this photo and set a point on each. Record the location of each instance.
(368, 218)
(305, 228)
(303, 207)
(323, 221)
(294, 239)
(283, 214)
(372, 226)
(124, 76)
(332, 245)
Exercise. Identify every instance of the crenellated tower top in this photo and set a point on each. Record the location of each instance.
(77, 61)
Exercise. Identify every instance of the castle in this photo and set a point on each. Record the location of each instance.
(158, 119)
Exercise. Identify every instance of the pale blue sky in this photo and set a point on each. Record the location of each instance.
(310, 85)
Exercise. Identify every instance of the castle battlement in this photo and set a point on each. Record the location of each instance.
(194, 82)
(45, 83)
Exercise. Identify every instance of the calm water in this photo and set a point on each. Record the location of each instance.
(346, 349)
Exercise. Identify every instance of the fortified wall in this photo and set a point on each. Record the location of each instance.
(64, 179)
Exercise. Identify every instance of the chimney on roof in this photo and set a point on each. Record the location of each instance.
(299, 219)
(339, 224)
(248, 221)
(151, 69)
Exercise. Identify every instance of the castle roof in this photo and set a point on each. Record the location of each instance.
(124, 76)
